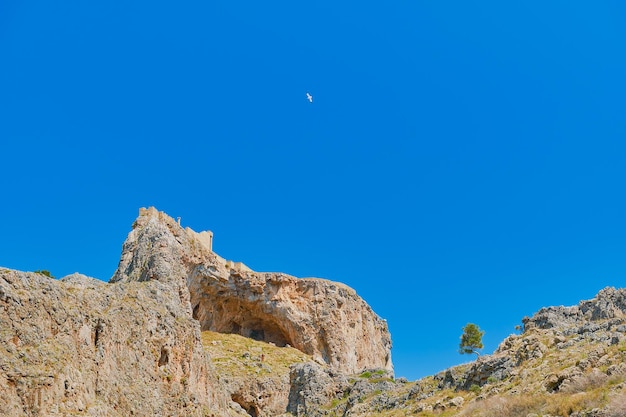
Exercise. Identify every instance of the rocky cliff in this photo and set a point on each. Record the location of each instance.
(78, 346)
(324, 319)
(133, 346)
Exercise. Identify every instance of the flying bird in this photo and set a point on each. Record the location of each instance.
(309, 97)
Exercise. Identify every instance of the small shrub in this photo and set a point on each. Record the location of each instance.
(44, 272)
(475, 389)
(366, 374)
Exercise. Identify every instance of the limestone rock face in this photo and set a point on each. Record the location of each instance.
(312, 386)
(153, 252)
(79, 346)
(324, 319)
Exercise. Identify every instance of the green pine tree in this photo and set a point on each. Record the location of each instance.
(471, 339)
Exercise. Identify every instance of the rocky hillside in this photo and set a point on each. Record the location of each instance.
(179, 331)
(79, 346)
(569, 361)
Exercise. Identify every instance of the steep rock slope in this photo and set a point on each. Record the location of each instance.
(79, 346)
(324, 319)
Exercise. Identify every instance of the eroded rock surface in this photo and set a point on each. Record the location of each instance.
(79, 346)
(324, 319)
(607, 308)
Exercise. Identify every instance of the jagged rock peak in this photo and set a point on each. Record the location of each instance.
(609, 303)
(324, 319)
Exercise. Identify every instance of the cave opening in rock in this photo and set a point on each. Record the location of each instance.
(264, 331)
(250, 408)
(248, 320)
(257, 334)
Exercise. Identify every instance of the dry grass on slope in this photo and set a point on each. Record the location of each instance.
(539, 404)
(237, 356)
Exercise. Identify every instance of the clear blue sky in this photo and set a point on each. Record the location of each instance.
(460, 162)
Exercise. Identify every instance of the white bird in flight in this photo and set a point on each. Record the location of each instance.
(309, 97)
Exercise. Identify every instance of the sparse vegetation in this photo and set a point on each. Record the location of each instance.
(237, 356)
(44, 272)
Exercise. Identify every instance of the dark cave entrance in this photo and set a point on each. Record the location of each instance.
(235, 318)
(257, 329)
(250, 408)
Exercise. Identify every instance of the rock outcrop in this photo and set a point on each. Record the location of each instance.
(312, 387)
(324, 319)
(315, 390)
(79, 346)
(607, 307)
